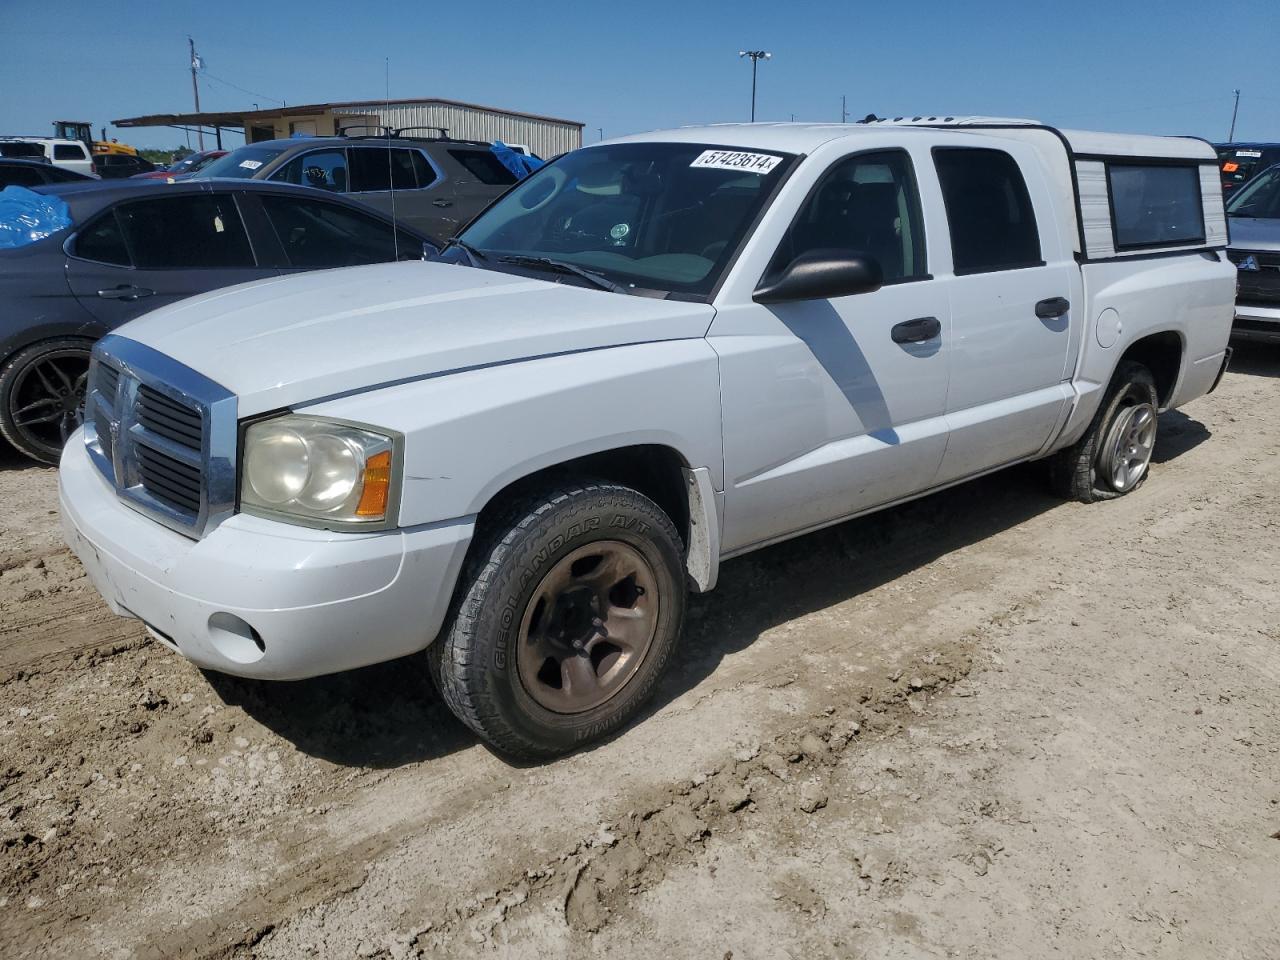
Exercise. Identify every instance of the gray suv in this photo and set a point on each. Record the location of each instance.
(433, 184)
(1255, 250)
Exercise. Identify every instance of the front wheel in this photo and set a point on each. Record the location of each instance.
(567, 615)
(1114, 455)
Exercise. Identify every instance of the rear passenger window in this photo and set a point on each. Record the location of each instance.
(989, 213)
(68, 151)
(484, 166)
(103, 241)
(422, 166)
(201, 232)
(1155, 205)
(379, 168)
(865, 204)
(21, 177)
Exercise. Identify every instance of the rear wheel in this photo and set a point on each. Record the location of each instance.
(1114, 455)
(567, 615)
(42, 396)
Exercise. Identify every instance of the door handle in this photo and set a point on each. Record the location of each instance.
(916, 331)
(124, 292)
(1052, 308)
(440, 202)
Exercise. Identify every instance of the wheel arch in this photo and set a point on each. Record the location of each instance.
(1162, 353)
(660, 472)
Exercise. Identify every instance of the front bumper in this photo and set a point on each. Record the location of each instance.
(1255, 322)
(258, 598)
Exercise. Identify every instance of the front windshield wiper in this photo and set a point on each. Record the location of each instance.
(475, 255)
(559, 266)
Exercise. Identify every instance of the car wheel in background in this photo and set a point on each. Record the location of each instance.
(42, 396)
(566, 616)
(1114, 455)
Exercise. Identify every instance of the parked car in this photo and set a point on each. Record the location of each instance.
(440, 184)
(668, 350)
(1255, 249)
(117, 166)
(1241, 162)
(69, 154)
(180, 169)
(137, 245)
(35, 173)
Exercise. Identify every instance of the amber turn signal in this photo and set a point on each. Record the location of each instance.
(377, 486)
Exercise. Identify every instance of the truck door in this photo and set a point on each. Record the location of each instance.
(142, 254)
(834, 406)
(1012, 291)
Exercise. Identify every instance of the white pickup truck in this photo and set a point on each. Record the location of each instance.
(653, 354)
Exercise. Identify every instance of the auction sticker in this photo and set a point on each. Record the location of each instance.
(1248, 153)
(733, 160)
(251, 164)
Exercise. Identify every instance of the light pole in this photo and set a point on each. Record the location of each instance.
(756, 56)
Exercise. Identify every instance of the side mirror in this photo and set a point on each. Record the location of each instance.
(822, 275)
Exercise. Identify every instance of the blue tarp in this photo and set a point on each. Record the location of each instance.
(27, 216)
(518, 163)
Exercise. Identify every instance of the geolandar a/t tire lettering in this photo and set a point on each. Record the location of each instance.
(566, 617)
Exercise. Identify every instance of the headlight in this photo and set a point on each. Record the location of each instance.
(318, 471)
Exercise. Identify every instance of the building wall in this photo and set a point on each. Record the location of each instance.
(543, 137)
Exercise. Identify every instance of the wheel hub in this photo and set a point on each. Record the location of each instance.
(587, 627)
(1127, 450)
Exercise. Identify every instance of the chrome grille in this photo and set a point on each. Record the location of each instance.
(162, 434)
(170, 480)
(174, 421)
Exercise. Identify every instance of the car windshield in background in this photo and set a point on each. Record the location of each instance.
(647, 216)
(242, 163)
(1238, 164)
(1259, 198)
(190, 164)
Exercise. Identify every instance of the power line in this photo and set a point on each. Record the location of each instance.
(228, 83)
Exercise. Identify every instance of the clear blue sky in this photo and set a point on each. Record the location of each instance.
(1148, 66)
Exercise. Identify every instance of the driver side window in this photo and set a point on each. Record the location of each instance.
(867, 204)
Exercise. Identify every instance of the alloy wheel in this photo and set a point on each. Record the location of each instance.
(1130, 442)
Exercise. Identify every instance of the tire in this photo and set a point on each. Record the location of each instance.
(1086, 470)
(545, 610)
(42, 396)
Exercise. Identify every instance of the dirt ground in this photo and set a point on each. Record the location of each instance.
(986, 724)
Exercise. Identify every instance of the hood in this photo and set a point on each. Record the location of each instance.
(1249, 233)
(281, 342)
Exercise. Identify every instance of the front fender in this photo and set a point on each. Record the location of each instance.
(472, 433)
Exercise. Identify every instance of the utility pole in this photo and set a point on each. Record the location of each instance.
(600, 130)
(195, 87)
(1231, 137)
(844, 113)
(756, 56)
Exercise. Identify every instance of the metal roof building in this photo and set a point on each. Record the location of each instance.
(545, 136)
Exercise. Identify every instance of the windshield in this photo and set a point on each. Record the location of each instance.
(1260, 197)
(1238, 164)
(241, 163)
(664, 217)
(192, 163)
